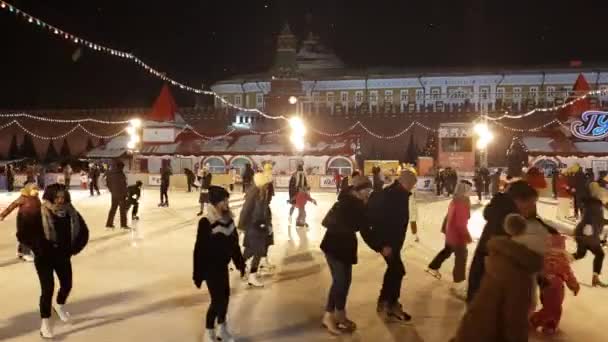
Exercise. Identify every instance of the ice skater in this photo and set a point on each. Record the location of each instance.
(165, 179)
(302, 198)
(297, 183)
(117, 184)
(133, 196)
(556, 272)
(217, 244)
(59, 233)
(256, 221)
(94, 179)
(205, 180)
(28, 205)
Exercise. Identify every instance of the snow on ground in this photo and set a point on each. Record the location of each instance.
(137, 286)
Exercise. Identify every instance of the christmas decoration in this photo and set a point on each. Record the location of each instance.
(51, 152)
(13, 151)
(517, 158)
(65, 149)
(411, 154)
(430, 148)
(27, 149)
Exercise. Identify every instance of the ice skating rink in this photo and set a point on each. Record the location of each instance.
(136, 286)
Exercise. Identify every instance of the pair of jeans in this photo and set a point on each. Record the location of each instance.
(135, 204)
(393, 277)
(255, 262)
(46, 265)
(94, 186)
(121, 204)
(164, 196)
(460, 262)
(341, 275)
(218, 284)
(594, 245)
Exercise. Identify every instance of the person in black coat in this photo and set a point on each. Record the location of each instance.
(389, 216)
(589, 230)
(190, 177)
(61, 234)
(247, 177)
(519, 198)
(133, 195)
(10, 178)
(117, 184)
(339, 244)
(205, 185)
(165, 179)
(217, 244)
(94, 179)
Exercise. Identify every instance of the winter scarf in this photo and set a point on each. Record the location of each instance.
(49, 209)
(221, 224)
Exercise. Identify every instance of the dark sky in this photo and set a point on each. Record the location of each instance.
(200, 41)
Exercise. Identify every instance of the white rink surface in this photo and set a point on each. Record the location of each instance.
(137, 287)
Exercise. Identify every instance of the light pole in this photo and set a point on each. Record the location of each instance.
(484, 137)
(134, 144)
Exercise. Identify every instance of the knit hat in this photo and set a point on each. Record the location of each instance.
(217, 194)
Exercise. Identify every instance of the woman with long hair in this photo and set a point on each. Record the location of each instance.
(62, 234)
(457, 238)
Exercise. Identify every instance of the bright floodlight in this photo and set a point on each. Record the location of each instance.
(481, 144)
(297, 126)
(131, 145)
(135, 138)
(130, 130)
(481, 128)
(297, 142)
(135, 123)
(293, 100)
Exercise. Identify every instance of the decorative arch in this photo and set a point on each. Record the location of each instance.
(342, 164)
(217, 164)
(238, 162)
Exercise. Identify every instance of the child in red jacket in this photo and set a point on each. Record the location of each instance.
(556, 272)
(303, 197)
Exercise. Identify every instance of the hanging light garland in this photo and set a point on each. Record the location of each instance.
(126, 55)
(60, 136)
(46, 119)
(527, 130)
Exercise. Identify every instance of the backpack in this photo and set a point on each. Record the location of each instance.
(82, 239)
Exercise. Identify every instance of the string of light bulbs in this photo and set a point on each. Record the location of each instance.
(600, 92)
(126, 55)
(60, 136)
(53, 120)
(524, 130)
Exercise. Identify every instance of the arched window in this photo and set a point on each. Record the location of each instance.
(215, 164)
(343, 165)
(239, 163)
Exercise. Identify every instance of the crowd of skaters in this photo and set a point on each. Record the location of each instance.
(516, 254)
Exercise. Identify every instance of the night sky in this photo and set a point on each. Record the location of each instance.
(201, 41)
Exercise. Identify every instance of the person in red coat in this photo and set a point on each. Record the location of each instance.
(556, 272)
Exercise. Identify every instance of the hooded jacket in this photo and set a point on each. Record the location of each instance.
(593, 215)
(217, 243)
(499, 311)
(340, 240)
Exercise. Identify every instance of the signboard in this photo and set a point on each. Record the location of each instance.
(388, 167)
(455, 131)
(281, 181)
(158, 135)
(425, 184)
(593, 125)
(327, 182)
(154, 180)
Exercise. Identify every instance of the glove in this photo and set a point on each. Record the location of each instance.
(198, 283)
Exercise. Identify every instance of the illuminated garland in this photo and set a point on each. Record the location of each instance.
(40, 118)
(126, 55)
(534, 129)
(60, 136)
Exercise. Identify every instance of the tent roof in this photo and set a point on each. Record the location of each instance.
(164, 107)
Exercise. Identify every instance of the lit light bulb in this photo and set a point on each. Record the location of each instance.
(130, 130)
(135, 123)
(480, 128)
(3, 5)
(135, 138)
(131, 145)
(297, 126)
(293, 100)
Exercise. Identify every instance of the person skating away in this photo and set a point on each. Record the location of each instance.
(337, 180)
(133, 196)
(297, 183)
(206, 178)
(217, 243)
(499, 311)
(67, 175)
(190, 178)
(117, 184)
(28, 205)
(588, 231)
(165, 179)
(256, 221)
(556, 272)
(94, 179)
(247, 177)
(389, 217)
(233, 178)
(61, 234)
(302, 198)
(339, 244)
(457, 238)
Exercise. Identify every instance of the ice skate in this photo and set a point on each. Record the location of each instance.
(253, 281)
(596, 282)
(434, 273)
(395, 311)
(329, 322)
(63, 315)
(225, 335)
(343, 323)
(459, 291)
(210, 336)
(46, 330)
